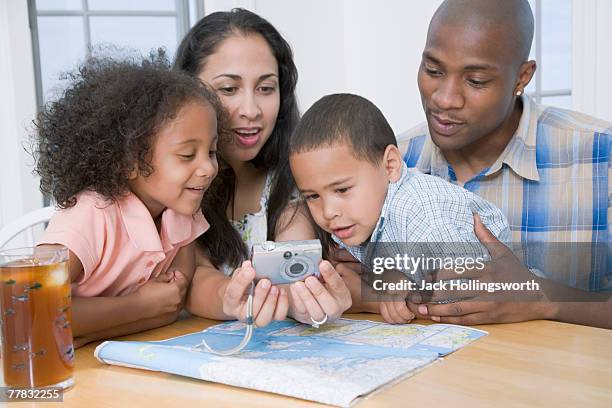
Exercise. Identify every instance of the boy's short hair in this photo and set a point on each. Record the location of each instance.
(344, 118)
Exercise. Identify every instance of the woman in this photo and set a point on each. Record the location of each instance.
(250, 66)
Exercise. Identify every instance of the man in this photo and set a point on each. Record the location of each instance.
(547, 169)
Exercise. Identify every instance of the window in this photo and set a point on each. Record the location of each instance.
(552, 50)
(64, 31)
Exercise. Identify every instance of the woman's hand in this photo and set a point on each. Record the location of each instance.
(269, 302)
(312, 299)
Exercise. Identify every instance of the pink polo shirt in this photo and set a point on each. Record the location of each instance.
(118, 244)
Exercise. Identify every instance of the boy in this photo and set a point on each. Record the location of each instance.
(346, 164)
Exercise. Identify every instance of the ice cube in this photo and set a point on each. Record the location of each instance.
(58, 276)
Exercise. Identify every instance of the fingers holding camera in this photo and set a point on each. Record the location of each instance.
(336, 286)
(299, 311)
(260, 295)
(269, 302)
(313, 300)
(264, 303)
(239, 283)
(311, 306)
(234, 297)
(282, 306)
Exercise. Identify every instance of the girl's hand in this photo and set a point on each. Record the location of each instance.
(269, 302)
(312, 299)
(163, 294)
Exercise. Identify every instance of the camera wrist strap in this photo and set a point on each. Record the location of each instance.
(247, 334)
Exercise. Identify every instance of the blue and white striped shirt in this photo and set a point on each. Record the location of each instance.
(427, 210)
(553, 182)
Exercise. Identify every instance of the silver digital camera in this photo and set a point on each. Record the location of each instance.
(286, 262)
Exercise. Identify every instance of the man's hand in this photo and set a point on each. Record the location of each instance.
(480, 307)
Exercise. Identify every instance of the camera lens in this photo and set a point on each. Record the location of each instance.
(296, 269)
(287, 255)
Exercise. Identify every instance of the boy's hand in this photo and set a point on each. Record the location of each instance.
(269, 302)
(162, 294)
(395, 311)
(351, 275)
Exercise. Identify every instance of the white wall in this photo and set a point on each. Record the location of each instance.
(367, 47)
(592, 57)
(372, 48)
(18, 188)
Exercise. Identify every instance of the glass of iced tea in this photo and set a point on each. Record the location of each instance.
(37, 348)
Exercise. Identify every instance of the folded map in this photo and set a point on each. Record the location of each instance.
(335, 364)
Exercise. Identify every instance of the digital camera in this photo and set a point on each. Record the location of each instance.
(286, 262)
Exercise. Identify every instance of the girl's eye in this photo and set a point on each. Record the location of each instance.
(342, 190)
(311, 197)
(186, 156)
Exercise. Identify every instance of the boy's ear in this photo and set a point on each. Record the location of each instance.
(392, 161)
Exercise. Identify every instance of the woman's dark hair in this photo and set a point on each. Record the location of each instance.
(103, 125)
(222, 242)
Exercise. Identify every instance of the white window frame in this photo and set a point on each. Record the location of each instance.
(592, 59)
(539, 93)
(181, 13)
(19, 191)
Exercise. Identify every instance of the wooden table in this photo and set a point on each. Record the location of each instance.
(539, 363)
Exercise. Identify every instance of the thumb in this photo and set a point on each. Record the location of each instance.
(164, 277)
(239, 283)
(495, 247)
(326, 269)
(180, 279)
(334, 281)
(178, 275)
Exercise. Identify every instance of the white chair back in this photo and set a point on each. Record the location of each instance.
(25, 224)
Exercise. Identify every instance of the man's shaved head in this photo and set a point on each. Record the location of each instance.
(510, 20)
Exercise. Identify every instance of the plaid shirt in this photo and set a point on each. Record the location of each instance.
(429, 212)
(553, 184)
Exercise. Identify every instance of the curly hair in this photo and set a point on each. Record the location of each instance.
(104, 124)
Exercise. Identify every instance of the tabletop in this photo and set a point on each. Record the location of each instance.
(537, 363)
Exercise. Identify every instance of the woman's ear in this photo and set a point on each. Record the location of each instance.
(392, 162)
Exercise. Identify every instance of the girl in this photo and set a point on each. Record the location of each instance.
(250, 66)
(127, 153)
